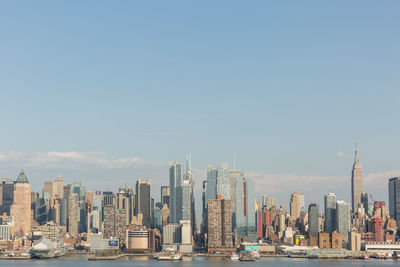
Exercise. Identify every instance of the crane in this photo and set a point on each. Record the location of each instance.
(373, 200)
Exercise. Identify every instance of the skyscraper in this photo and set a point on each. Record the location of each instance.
(313, 215)
(165, 194)
(244, 217)
(394, 199)
(66, 193)
(330, 212)
(59, 187)
(223, 182)
(143, 202)
(181, 200)
(50, 188)
(21, 208)
(8, 195)
(218, 183)
(73, 214)
(175, 182)
(109, 214)
(296, 205)
(232, 181)
(357, 183)
(343, 218)
(219, 223)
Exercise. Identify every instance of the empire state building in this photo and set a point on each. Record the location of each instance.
(357, 183)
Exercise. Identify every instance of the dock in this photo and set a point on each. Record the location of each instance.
(102, 258)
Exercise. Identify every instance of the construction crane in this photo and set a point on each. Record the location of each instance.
(373, 200)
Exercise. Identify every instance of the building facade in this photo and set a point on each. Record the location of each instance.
(357, 183)
(330, 212)
(21, 208)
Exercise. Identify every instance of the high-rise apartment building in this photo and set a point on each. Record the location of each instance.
(120, 224)
(21, 207)
(296, 205)
(109, 214)
(357, 183)
(73, 214)
(330, 212)
(219, 223)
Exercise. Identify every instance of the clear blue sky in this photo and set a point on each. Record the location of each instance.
(286, 85)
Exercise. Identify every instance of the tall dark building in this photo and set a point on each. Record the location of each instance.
(364, 202)
(313, 215)
(164, 195)
(66, 193)
(108, 198)
(394, 198)
(143, 202)
(8, 195)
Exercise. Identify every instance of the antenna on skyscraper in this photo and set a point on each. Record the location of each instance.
(234, 161)
(189, 161)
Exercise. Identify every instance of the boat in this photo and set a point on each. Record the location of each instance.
(246, 256)
(234, 256)
(46, 249)
(16, 256)
(177, 256)
(163, 256)
(255, 254)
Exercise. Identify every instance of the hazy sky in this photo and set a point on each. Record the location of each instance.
(111, 91)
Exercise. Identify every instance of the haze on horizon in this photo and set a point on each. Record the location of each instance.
(110, 92)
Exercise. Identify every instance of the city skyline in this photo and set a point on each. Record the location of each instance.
(295, 183)
(284, 198)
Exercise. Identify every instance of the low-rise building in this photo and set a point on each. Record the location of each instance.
(6, 224)
(97, 242)
(382, 247)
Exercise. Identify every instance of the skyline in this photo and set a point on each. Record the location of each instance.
(117, 95)
(282, 196)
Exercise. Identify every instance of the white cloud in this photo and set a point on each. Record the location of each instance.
(380, 179)
(340, 154)
(288, 183)
(72, 160)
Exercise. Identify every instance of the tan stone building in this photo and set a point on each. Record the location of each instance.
(74, 214)
(296, 205)
(21, 209)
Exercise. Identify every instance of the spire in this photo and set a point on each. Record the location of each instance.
(356, 156)
(188, 161)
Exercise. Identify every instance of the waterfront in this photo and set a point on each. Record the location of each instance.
(143, 261)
